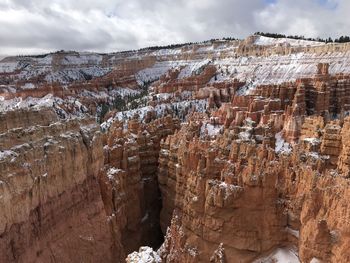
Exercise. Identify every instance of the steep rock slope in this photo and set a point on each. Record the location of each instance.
(49, 194)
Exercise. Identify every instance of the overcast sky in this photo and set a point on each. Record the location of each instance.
(36, 26)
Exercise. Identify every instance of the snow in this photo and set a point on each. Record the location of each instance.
(76, 67)
(292, 232)
(8, 67)
(282, 146)
(167, 52)
(276, 69)
(246, 89)
(161, 68)
(123, 92)
(68, 75)
(49, 100)
(280, 255)
(266, 41)
(313, 155)
(210, 129)
(28, 86)
(160, 110)
(244, 135)
(4, 154)
(164, 96)
(257, 70)
(315, 260)
(192, 251)
(155, 72)
(82, 59)
(190, 69)
(312, 141)
(112, 172)
(145, 255)
(35, 103)
(228, 189)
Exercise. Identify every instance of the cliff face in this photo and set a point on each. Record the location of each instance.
(69, 193)
(129, 185)
(50, 199)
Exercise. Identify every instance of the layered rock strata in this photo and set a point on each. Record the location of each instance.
(50, 199)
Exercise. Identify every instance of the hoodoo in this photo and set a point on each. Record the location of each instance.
(220, 151)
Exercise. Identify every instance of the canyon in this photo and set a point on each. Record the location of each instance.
(221, 151)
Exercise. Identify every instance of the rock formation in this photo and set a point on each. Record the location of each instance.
(222, 151)
(248, 191)
(49, 194)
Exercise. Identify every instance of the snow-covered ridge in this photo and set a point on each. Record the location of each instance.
(66, 67)
(179, 108)
(268, 41)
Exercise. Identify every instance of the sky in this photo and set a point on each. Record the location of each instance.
(40, 26)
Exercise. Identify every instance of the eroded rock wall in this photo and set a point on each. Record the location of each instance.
(50, 199)
(129, 181)
(274, 175)
(251, 199)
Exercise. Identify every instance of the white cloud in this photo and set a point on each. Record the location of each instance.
(312, 18)
(32, 26)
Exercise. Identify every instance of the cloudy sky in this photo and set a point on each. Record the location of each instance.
(36, 26)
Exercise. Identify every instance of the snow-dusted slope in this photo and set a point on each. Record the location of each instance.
(66, 68)
(266, 41)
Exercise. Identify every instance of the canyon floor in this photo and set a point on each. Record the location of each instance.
(226, 151)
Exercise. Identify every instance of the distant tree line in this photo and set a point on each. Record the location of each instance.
(342, 39)
(46, 54)
(173, 46)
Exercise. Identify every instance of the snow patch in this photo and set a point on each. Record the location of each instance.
(267, 41)
(145, 255)
(28, 86)
(293, 232)
(282, 147)
(280, 255)
(7, 154)
(192, 68)
(36, 103)
(312, 141)
(112, 172)
(210, 129)
(315, 260)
